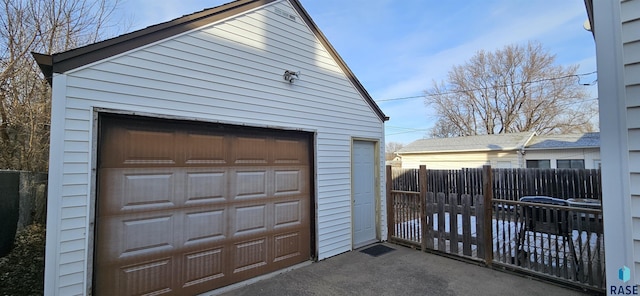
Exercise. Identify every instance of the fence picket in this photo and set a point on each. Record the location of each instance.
(430, 211)
(441, 224)
(466, 225)
(477, 209)
(453, 228)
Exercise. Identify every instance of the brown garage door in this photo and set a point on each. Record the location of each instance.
(188, 207)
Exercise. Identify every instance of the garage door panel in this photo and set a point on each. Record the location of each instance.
(287, 214)
(204, 227)
(249, 255)
(206, 187)
(206, 149)
(137, 189)
(250, 184)
(288, 181)
(249, 220)
(290, 151)
(287, 246)
(148, 278)
(251, 150)
(123, 238)
(203, 267)
(148, 147)
(144, 190)
(146, 235)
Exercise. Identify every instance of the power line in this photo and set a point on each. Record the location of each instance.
(505, 85)
(406, 130)
(416, 130)
(402, 128)
(403, 98)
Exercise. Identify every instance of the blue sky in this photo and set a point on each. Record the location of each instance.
(398, 48)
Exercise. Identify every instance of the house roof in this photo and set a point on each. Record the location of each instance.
(585, 140)
(500, 142)
(81, 56)
(503, 142)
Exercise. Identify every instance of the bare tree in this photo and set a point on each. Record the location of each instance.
(514, 89)
(391, 148)
(44, 26)
(444, 129)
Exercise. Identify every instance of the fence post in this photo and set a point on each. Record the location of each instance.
(423, 206)
(391, 220)
(487, 189)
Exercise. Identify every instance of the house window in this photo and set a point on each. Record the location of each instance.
(539, 164)
(571, 163)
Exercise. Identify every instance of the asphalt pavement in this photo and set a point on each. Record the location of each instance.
(403, 271)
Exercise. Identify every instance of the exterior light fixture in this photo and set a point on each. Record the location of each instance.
(291, 75)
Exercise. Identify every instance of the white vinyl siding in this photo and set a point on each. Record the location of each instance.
(458, 160)
(630, 17)
(617, 33)
(229, 72)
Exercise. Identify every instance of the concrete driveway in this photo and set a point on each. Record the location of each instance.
(400, 272)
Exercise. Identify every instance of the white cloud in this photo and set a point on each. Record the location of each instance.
(556, 27)
(426, 67)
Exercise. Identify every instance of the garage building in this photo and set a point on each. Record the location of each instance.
(207, 150)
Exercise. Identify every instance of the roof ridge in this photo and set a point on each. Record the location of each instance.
(488, 142)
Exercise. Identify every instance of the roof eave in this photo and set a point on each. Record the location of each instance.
(588, 4)
(458, 151)
(356, 83)
(561, 148)
(45, 62)
(74, 58)
(71, 59)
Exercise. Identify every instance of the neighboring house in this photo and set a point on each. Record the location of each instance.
(500, 151)
(200, 152)
(395, 162)
(616, 28)
(577, 151)
(515, 150)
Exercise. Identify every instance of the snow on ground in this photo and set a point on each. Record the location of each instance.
(541, 247)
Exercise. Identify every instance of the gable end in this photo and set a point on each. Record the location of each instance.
(68, 60)
(75, 58)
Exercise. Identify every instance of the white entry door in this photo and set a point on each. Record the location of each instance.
(364, 203)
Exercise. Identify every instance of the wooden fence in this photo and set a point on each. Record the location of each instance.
(565, 243)
(512, 184)
(435, 204)
(455, 212)
(464, 181)
(452, 226)
(509, 184)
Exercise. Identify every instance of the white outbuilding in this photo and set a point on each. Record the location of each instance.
(207, 150)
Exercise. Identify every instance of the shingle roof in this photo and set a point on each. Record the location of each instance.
(585, 140)
(513, 141)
